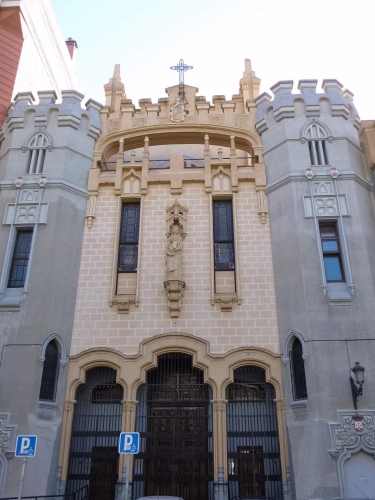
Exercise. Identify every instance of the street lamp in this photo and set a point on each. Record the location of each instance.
(357, 379)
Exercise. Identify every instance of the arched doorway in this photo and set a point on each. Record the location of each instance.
(254, 467)
(174, 419)
(93, 460)
(359, 473)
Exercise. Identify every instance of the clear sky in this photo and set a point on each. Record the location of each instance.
(290, 39)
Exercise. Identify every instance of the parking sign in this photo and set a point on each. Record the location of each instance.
(129, 443)
(26, 446)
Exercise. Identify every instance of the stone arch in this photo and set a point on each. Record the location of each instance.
(315, 130)
(131, 373)
(61, 346)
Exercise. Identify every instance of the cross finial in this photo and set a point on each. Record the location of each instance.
(181, 67)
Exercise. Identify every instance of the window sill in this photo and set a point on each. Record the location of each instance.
(226, 301)
(339, 293)
(46, 410)
(299, 403)
(123, 302)
(11, 299)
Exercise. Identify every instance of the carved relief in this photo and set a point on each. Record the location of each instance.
(174, 284)
(132, 184)
(221, 182)
(177, 110)
(355, 432)
(6, 431)
(28, 209)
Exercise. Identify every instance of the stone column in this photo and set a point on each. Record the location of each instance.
(126, 461)
(66, 437)
(219, 408)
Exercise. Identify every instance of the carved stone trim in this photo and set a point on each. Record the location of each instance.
(174, 284)
(6, 432)
(354, 432)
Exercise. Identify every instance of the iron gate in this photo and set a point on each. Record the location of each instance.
(174, 419)
(93, 460)
(254, 468)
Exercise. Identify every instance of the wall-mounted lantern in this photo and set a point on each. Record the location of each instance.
(357, 379)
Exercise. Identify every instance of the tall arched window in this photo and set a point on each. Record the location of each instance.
(50, 372)
(37, 146)
(316, 138)
(297, 370)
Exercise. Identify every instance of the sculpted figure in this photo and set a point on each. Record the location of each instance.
(174, 252)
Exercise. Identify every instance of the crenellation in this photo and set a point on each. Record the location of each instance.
(286, 104)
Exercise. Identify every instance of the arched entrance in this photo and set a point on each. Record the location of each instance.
(359, 473)
(174, 419)
(254, 467)
(93, 460)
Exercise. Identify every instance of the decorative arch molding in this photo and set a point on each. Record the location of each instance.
(354, 432)
(292, 334)
(132, 369)
(321, 130)
(181, 133)
(34, 140)
(62, 350)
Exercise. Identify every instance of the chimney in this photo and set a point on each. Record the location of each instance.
(71, 44)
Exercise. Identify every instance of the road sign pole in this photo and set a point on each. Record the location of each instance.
(22, 477)
(126, 478)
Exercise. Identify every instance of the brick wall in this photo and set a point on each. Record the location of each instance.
(251, 323)
(10, 51)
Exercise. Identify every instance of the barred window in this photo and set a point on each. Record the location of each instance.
(223, 235)
(20, 259)
(316, 138)
(38, 145)
(129, 234)
(297, 369)
(50, 372)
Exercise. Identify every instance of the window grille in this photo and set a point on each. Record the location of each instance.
(223, 235)
(37, 153)
(20, 259)
(316, 138)
(50, 372)
(332, 258)
(297, 369)
(129, 234)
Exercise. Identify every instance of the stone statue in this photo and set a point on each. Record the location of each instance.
(174, 283)
(175, 239)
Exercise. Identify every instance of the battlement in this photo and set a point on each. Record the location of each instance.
(334, 100)
(24, 111)
(180, 105)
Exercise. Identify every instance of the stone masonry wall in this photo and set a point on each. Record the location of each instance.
(253, 323)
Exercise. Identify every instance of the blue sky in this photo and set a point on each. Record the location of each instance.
(290, 39)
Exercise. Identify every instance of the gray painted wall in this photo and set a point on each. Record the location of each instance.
(335, 326)
(27, 320)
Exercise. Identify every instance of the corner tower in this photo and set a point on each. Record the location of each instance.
(45, 155)
(322, 224)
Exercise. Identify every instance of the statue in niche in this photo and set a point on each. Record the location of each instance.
(177, 110)
(174, 283)
(175, 239)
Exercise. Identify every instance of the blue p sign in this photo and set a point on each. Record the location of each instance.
(129, 443)
(26, 446)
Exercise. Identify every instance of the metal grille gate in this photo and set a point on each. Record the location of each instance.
(254, 469)
(93, 460)
(174, 419)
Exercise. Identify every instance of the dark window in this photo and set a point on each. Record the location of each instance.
(333, 267)
(223, 235)
(20, 260)
(128, 250)
(297, 369)
(318, 152)
(50, 372)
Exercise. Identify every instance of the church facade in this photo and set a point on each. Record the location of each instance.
(199, 272)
